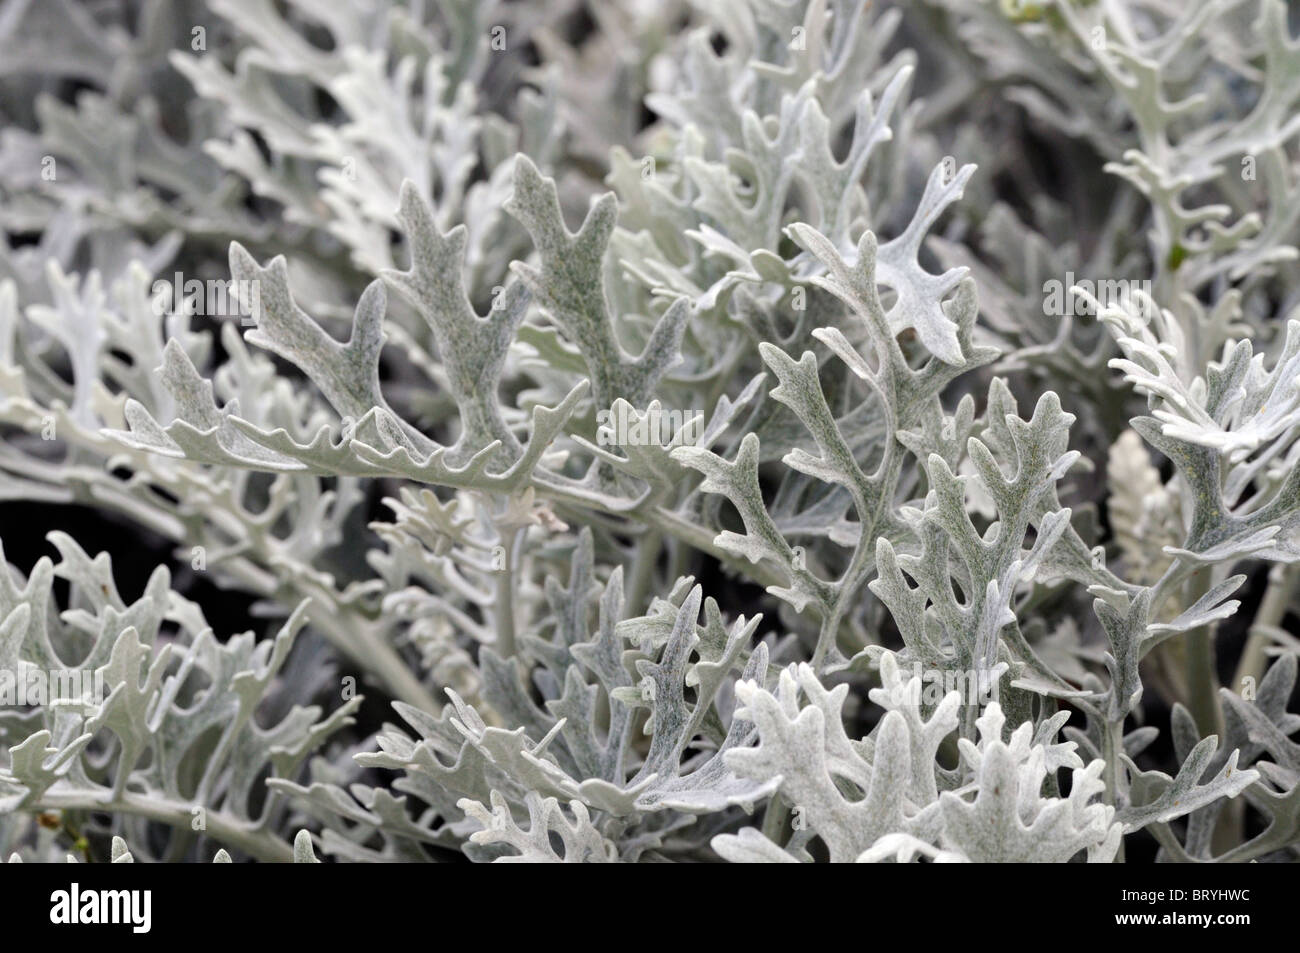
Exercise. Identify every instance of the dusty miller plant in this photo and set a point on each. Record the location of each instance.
(748, 431)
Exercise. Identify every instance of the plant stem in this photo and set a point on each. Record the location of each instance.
(1112, 746)
(1277, 598)
(643, 570)
(505, 595)
(247, 837)
(1202, 682)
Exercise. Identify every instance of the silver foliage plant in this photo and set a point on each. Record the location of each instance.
(709, 428)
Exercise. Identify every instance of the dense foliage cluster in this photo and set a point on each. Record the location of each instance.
(747, 430)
